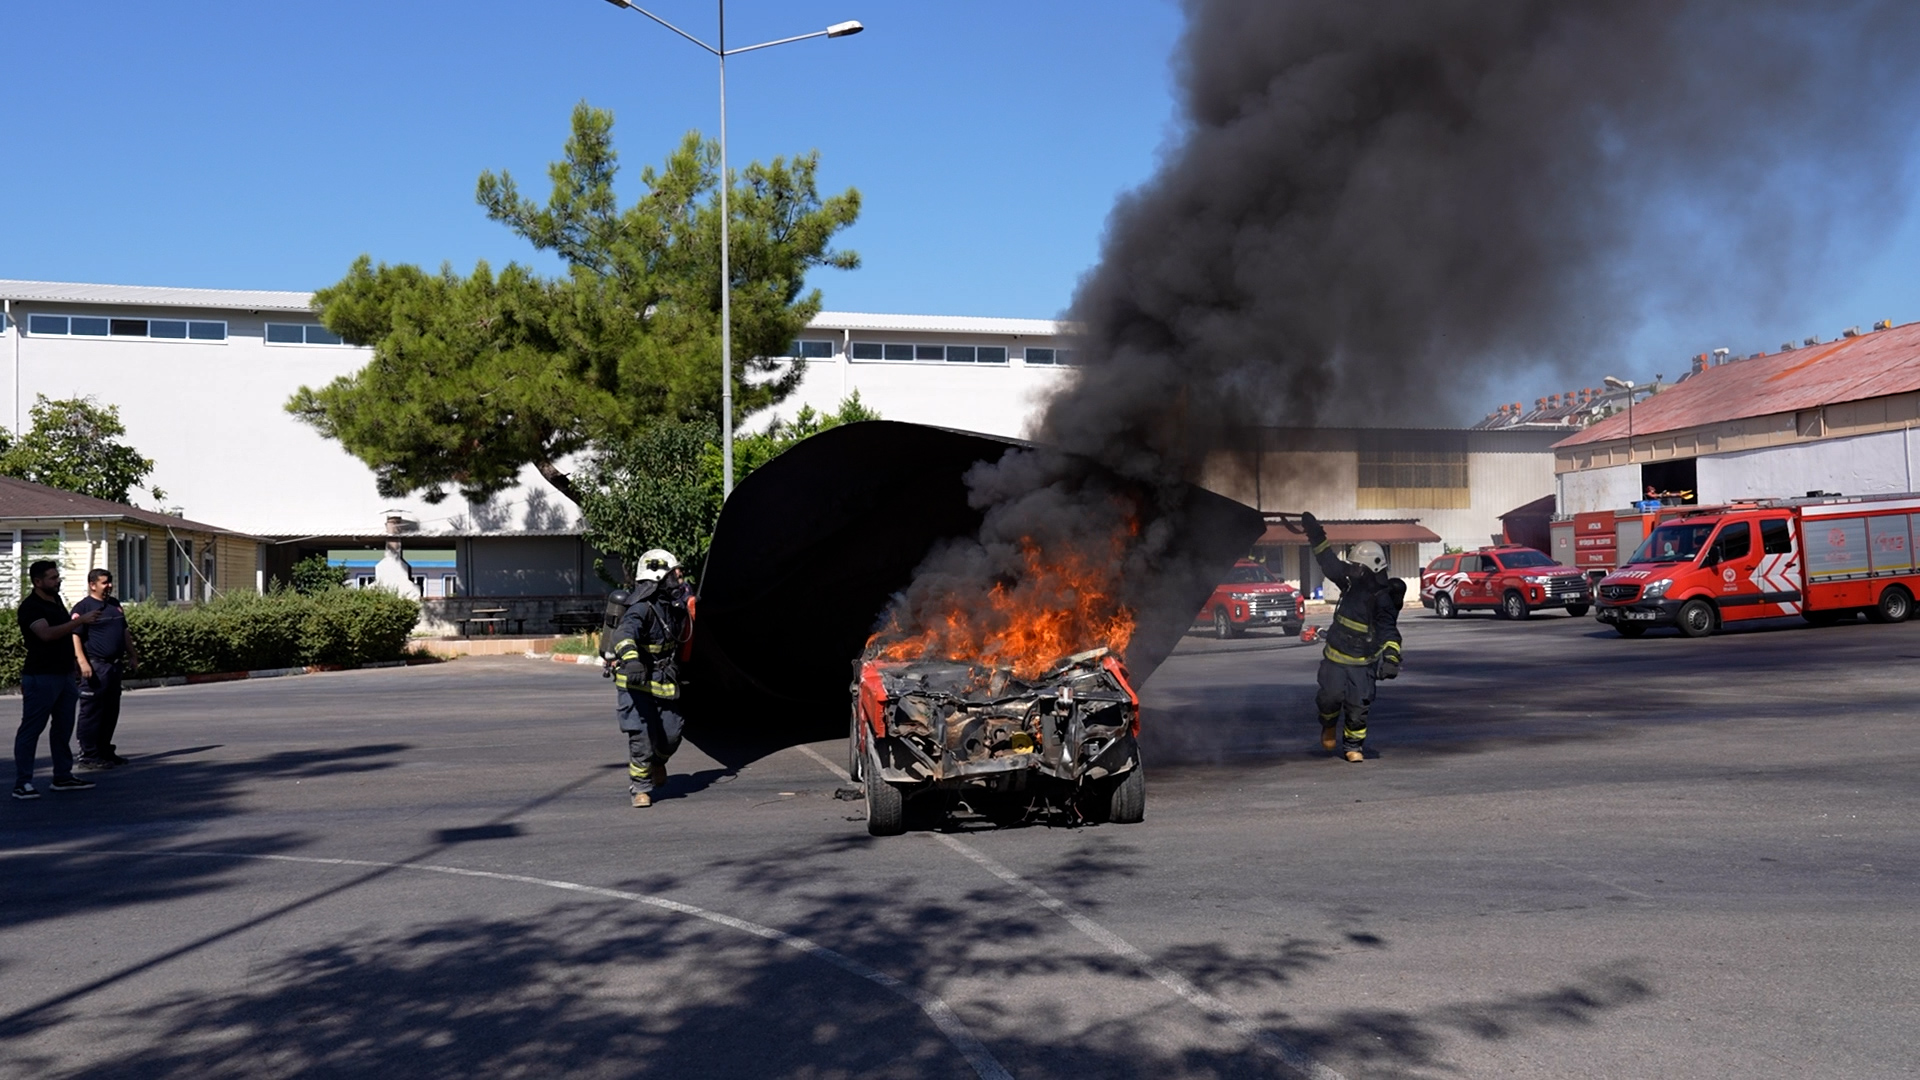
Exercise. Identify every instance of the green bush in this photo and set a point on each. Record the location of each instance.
(13, 656)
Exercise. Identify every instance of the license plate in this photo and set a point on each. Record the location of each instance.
(1640, 616)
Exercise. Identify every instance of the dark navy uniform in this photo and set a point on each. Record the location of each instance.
(1363, 644)
(646, 680)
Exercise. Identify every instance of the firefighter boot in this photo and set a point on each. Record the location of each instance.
(642, 800)
(1328, 740)
(1355, 755)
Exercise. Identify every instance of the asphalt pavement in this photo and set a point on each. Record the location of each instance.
(1568, 855)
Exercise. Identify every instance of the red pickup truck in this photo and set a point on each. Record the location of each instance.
(1253, 597)
(1513, 581)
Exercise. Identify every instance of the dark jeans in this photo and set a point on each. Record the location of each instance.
(653, 731)
(44, 698)
(1346, 690)
(99, 709)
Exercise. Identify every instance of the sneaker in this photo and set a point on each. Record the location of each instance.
(69, 783)
(88, 764)
(116, 760)
(641, 800)
(1355, 755)
(25, 791)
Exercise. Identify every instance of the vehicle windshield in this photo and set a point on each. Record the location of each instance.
(1673, 544)
(1245, 574)
(1522, 560)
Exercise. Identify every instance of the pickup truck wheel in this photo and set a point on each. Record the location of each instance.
(1576, 610)
(1443, 606)
(1513, 606)
(1696, 618)
(1223, 627)
(1896, 605)
(1127, 802)
(1630, 630)
(886, 804)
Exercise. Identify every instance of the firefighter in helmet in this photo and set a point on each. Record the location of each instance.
(644, 657)
(1363, 644)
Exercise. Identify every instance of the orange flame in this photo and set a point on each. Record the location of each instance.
(1059, 606)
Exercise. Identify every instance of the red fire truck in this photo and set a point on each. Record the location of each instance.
(1822, 558)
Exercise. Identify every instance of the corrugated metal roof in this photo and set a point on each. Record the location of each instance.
(1851, 369)
(65, 292)
(25, 500)
(1353, 532)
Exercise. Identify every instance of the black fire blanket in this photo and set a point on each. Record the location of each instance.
(810, 548)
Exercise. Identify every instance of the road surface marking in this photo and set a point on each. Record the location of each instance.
(1212, 1007)
(943, 1017)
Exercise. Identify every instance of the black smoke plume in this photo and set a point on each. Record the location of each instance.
(1375, 207)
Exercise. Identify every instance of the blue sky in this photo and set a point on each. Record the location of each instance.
(256, 145)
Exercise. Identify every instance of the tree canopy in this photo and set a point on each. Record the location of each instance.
(474, 377)
(73, 444)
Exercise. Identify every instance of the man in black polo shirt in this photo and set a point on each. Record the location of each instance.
(105, 652)
(47, 687)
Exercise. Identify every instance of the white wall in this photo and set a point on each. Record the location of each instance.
(993, 399)
(1861, 465)
(1594, 490)
(212, 417)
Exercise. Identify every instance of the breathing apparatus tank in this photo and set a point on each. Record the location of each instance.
(617, 603)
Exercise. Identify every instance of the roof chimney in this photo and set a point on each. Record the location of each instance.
(1722, 356)
(1815, 340)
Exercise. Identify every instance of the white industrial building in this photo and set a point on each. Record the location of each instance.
(1835, 417)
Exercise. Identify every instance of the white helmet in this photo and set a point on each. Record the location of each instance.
(1369, 554)
(655, 564)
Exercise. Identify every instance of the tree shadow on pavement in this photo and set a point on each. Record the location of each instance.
(594, 987)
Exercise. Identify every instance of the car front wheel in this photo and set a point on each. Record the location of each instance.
(1696, 618)
(1443, 606)
(1513, 606)
(1222, 626)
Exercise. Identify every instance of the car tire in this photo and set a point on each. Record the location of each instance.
(1696, 618)
(886, 804)
(1223, 627)
(1443, 606)
(1896, 605)
(1514, 606)
(1630, 630)
(1576, 610)
(1127, 801)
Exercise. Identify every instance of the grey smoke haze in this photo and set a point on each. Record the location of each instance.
(1375, 208)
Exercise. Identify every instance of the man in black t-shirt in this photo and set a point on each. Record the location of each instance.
(105, 652)
(47, 687)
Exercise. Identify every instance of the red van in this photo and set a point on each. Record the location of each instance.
(1821, 558)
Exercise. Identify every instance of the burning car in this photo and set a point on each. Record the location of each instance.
(1065, 739)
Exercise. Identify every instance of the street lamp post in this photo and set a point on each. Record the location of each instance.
(721, 52)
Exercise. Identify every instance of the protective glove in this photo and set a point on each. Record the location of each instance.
(1390, 663)
(1316, 535)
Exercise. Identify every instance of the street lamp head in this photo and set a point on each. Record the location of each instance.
(845, 29)
(619, 3)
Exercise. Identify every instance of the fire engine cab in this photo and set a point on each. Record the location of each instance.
(1821, 558)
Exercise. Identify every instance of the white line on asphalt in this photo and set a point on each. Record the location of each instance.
(1598, 878)
(1212, 1007)
(943, 1017)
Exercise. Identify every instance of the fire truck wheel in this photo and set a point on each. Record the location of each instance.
(1696, 618)
(1443, 606)
(1127, 802)
(1895, 605)
(886, 808)
(1513, 606)
(1223, 627)
(1630, 630)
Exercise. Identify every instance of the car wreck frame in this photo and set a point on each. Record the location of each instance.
(1067, 739)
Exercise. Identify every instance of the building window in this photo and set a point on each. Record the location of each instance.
(1414, 479)
(960, 354)
(812, 350)
(992, 354)
(131, 574)
(1047, 356)
(102, 326)
(280, 333)
(180, 570)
